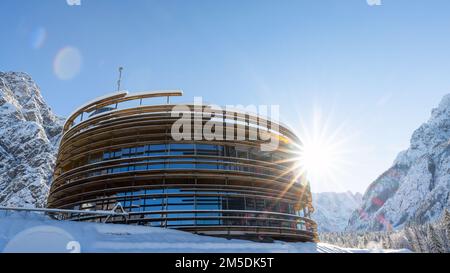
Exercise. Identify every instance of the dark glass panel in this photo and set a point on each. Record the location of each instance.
(260, 205)
(236, 203)
(242, 154)
(250, 203)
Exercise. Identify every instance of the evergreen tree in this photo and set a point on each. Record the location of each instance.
(446, 220)
(421, 239)
(435, 244)
(446, 229)
(390, 243)
(412, 240)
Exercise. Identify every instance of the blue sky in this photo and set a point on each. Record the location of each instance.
(373, 71)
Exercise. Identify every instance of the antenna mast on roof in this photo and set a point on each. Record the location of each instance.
(120, 78)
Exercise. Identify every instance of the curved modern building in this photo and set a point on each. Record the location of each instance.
(119, 149)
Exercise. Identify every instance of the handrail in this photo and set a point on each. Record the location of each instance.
(98, 212)
(116, 98)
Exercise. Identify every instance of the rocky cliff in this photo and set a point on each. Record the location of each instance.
(416, 189)
(29, 134)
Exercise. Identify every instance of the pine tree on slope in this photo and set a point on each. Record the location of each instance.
(446, 226)
(434, 242)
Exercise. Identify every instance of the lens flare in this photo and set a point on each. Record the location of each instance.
(67, 63)
(323, 154)
(38, 37)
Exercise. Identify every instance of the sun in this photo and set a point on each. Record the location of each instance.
(319, 158)
(322, 155)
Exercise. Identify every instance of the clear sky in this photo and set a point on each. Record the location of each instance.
(374, 72)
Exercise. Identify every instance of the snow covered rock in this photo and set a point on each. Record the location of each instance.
(332, 210)
(29, 133)
(416, 189)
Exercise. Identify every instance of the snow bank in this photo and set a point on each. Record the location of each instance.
(29, 232)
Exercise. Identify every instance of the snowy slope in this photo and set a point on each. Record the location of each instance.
(21, 232)
(333, 210)
(416, 189)
(29, 132)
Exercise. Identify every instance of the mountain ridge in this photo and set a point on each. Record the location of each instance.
(416, 188)
(29, 136)
(333, 209)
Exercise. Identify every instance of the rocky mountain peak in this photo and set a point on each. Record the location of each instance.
(29, 133)
(332, 210)
(416, 188)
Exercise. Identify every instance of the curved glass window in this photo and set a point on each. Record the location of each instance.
(181, 149)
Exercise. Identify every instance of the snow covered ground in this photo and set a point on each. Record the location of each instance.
(29, 232)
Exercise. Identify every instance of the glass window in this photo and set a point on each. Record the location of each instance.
(181, 146)
(272, 206)
(156, 166)
(153, 216)
(203, 166)
(140, 167)
(117, 154)
(236, 203)
(208, 203)
(156, 191)
(260, 204)
(221, 150)
(174, 207)
(188, 166)
(136, 205)
(157, 147)
(284, 207)
(241, 154)
(153, 202)
(175, 152)
(180, 223)
(250, 203)
(206, 147)
(230, 151)
(208, 222)
(94, 158)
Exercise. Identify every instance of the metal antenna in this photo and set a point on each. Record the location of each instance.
(120, 79)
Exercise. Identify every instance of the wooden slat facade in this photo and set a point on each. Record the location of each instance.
(220, 188)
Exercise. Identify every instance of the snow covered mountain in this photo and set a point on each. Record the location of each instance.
(416, 189)
(29, 133)
(332, 210)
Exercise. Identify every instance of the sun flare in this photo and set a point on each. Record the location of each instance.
(319, 158)
(322, 154)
